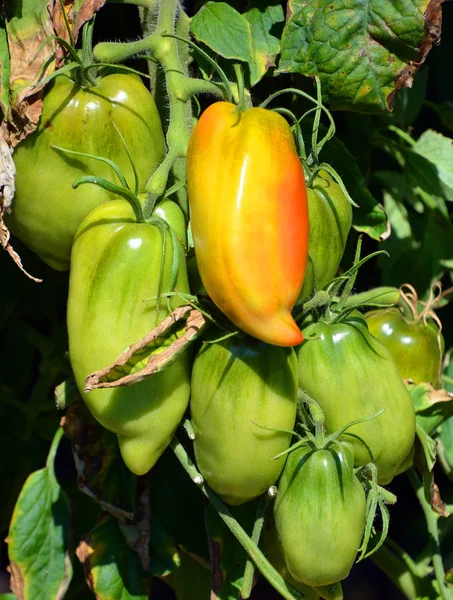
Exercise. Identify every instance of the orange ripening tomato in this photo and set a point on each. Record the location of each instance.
(248, 206)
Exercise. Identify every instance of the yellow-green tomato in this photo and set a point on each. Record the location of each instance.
(416, 347)
(117, 271)
(238, 385)
(46, 209)
(320, 513)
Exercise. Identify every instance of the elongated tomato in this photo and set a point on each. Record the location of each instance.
(249, 218)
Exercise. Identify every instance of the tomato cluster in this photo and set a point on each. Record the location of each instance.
(257, 257)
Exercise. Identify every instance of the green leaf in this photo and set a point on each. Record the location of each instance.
(4, 68)
(164, 556)
(428, 447)
(112, 569)
(363, 52)
(264, 24)
(398, 217)
(192, 580)
(38, 537)
(224, 30)
(438, 236)
(430, 164)
(432, 407)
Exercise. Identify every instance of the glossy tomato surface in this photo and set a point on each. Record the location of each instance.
(352, 376)
(320, 514)
(240, 386)
(117, 271)
(249, 218)
(46, 209)
(416, 348)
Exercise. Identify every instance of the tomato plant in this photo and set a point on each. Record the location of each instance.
(228, 425)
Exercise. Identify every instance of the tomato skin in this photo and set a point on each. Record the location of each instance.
(274, 554)
(413, 345)
(249, 217)
(320, 513)
(330, 222)
(115, 268)
(352, 375)
(46, 210)
(238, 384)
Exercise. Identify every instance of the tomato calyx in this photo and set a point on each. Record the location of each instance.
(335, 302)
(80, 65)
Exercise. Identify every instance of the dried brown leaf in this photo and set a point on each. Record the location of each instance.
(83, 553)
(433, 26)
(85, 13)
(31, 61)
(437, 504)
(195, 324)
(16, 580)
(27, 61)
(5, 243)
(436, 396)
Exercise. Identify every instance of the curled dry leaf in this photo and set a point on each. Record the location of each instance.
(433, 25)
(32, 59)
(83, 552)
(16, 580)
(7, 174)
(112, 376)
(437, 504)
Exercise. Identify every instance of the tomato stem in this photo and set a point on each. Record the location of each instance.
(263, 565)
(162, 44)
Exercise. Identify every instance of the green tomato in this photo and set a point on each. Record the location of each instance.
(352, 376)
(237, 385)
(116, 270)
(274, 554)
(416, 348)
(320, 513)
(330, 221)
(46, 210)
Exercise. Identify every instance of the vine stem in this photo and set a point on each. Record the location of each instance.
(431, 523)
(261, 562)
(249, 571)
(163, 46)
